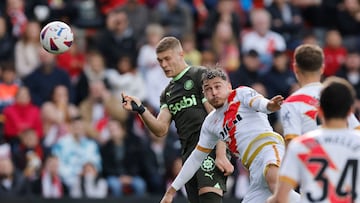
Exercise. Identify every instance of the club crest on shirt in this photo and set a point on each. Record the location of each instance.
(188, 85)
(208, 164)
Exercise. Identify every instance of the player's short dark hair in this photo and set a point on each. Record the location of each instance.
(336, 98)
(168, 43)
(211, 73)
(309, 57)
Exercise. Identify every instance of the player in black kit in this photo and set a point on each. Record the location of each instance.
(183, 101)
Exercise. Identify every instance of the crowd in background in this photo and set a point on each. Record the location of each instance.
(63, 130)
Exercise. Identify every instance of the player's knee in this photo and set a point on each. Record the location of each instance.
(210, 197)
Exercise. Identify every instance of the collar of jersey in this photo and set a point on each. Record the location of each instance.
(181, 74)
(313, 84)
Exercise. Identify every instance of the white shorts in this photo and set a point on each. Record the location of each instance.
(258, 191)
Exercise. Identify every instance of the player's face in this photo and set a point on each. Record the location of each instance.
(216, 91)
(171, 62)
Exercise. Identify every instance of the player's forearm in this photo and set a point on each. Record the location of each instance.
(191, 165)
(221, 149)
(155, 126)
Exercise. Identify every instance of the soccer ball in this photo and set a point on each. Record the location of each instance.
(56, 37)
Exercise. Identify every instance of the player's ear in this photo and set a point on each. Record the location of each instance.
(351, 110)
(322, 69)
(321, 114)
(229, 86)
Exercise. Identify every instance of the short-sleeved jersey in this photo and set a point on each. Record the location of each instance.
(326, 165)
(298, 113)
(242, 122)
(184, 98)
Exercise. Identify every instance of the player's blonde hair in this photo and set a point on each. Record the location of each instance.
(168, 43)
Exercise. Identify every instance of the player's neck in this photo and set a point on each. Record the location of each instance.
(335, 123)
(308, 80)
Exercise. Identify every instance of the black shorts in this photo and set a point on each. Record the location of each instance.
(208, 175)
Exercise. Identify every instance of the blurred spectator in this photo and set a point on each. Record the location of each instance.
(139, 17)
(280, 79)
(86, 14)
(175, 16)
(42, 81)
(348, 23)
(309, 37)
(28, 155)
(192, 55)
(287, 21)
(226, 46)
(49, 184)
(162, 151)
(12, 182)
(117, 39)
(15, 11)
(224, 12)
(20, 116)
(350, 71)
(126, 78)
(94, 70)
(72, 61)
(155, 79)
(262, 39)
(89, 184)
(96, 110)
(316, 14)
(208, 58)
(56, 114)
(248, 72)
(123, 162)
(7, 42)
(334, 52)
(26, 50)
(74, 150)
(9, 85)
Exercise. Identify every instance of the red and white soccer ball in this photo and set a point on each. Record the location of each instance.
(56, 37)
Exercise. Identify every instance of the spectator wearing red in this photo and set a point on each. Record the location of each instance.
(334, 52)
(72, 62)
(21, 115)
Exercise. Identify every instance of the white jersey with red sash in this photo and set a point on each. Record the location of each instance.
(242, 123)
(326, 165)
(298, 113)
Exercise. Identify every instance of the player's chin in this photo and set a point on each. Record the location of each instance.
(217, 104)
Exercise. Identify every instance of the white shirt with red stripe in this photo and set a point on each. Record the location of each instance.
(298, 113)
(238, 122)
(325, 163)
(242, 122)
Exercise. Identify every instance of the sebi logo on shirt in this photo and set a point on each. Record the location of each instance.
(184, 103)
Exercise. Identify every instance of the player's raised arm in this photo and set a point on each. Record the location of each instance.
(158, 125)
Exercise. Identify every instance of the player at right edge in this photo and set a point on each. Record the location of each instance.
(325, 162)
(298, 114)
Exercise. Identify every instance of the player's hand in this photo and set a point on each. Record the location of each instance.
(275, 103)
(169, 196)
(224, 165)
(126, 101)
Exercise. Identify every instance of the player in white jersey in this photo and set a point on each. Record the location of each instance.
(298, 113)
(325, 162)
(239, 119)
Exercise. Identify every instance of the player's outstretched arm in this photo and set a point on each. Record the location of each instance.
(158, 125)
(191, 165)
